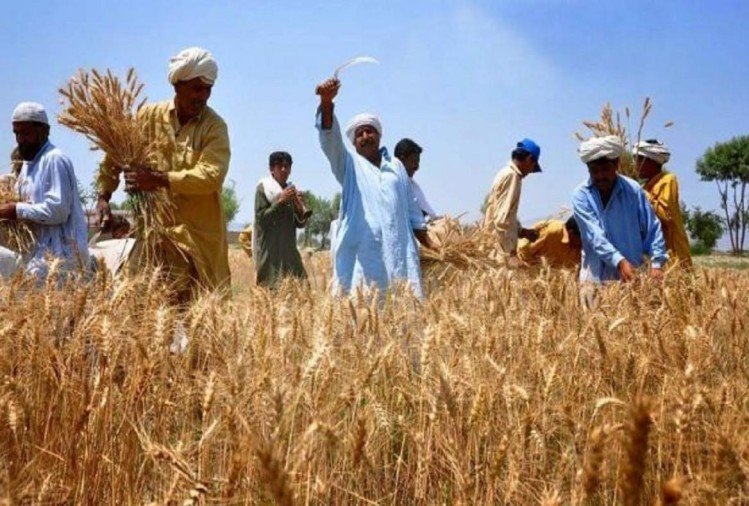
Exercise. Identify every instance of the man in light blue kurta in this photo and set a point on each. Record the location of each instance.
(50, 203)
(375, 244)
(617, 223)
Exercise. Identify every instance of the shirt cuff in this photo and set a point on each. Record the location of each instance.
(318, 122)
(23, 211)
(616, 258)
(658, 263)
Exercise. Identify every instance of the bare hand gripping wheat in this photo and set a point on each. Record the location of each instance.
(106, 110)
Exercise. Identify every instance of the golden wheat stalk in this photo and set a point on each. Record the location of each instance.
(610, 123)
(15, 235)
(106, 110)
(458, 246)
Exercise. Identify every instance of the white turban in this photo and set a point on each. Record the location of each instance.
(653, 149)
(609, 147)
(30, 111)
(361, 120)
(191, 63)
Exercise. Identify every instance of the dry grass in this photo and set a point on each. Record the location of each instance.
(105, 109)
(497, 390)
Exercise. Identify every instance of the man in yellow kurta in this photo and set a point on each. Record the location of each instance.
(193, 174)
(663, 192)
(558, 242)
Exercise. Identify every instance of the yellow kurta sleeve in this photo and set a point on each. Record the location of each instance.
(207, 175)
(663, 194)
(108, 178)
(663, 197)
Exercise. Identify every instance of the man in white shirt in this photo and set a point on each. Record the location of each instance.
(49, 200)
(409, 154)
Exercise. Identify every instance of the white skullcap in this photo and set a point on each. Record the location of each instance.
(609, 147)
(30, 111)
(654, 150)
(361, 120)
(191, 63)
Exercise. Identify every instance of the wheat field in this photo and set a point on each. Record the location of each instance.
(498, 389)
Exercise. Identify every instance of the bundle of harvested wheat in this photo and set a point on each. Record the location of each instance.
(610, 124)
(14, 235)
(105, 110)
(459, 246)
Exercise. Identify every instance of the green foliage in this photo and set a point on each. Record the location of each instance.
(727, 164)
(229, 201)
(324, 211)
(728, 161)
(705, 227)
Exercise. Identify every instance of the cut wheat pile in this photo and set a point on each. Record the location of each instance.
(457, 245)
(105, 109)
(497, 390)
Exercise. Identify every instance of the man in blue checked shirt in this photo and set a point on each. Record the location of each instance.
(617, 223)
(50, 203)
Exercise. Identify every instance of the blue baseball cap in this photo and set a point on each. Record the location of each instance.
(532, 148)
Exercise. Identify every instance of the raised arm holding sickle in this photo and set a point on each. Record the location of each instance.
(327, 91)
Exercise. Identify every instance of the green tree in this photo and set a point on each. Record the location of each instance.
(324, 211)
(229, 201)
(705, 227)
(727, 164)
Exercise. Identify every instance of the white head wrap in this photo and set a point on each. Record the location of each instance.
(191, 63)
(361, 120)
(609, 147)
(653, 149)
(30, 111)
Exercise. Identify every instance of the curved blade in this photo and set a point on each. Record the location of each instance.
(354, 61)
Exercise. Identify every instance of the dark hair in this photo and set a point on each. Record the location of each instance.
(520, 154)
(279, 158)
(572, 226)
(406, 147)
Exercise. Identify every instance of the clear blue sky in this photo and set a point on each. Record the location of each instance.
(465, 79)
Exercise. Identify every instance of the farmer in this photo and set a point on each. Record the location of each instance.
(379, 217)
(502, 212)
(49, 201)
(409, 153)
(663, 192)
(193, 175)
(279, 212)
(558, 243)
(617, 223)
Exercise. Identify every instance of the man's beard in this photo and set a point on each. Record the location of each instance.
(28, 152)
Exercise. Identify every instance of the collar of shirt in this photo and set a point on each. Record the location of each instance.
(174, 120)
(596, 194)
(46, 147)
(514, 168)
(617, 185)
(654, 180)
